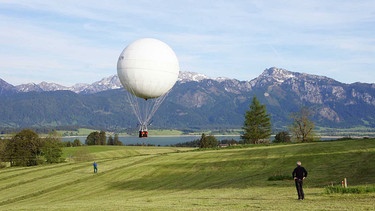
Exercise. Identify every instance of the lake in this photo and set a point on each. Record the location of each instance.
(171, 140)
(155, 140)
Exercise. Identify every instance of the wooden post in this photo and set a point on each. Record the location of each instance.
(345, 183)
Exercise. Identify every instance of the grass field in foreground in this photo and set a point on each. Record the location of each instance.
(166, 178)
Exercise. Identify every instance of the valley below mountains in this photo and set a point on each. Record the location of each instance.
(196, 102)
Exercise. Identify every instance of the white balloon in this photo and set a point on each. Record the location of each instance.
(148, 68)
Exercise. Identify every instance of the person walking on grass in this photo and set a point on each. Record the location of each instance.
(95, 167)
(299, 174)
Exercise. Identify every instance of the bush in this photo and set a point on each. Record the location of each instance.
(40, 160)
(282, 137)
(3, 165)
(208, 141)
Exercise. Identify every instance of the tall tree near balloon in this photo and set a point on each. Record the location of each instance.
(257, 124)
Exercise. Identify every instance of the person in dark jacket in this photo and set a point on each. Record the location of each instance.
(299, 174)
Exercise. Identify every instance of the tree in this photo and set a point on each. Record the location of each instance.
(257, 124)
(52, 148)
(77, 143)
(102, 138)
(92, 138)
(302, 128)
(282, 137)
(117, 141)
(23, 149)
(96, 138)
(110, 141)
(3, 144)
(207, 141)
(68, 144)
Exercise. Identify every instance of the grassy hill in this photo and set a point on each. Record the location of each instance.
(166, 178)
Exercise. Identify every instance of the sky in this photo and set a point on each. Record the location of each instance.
(69, 42)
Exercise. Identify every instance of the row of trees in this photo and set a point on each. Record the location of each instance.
(257, 126)
(208, 141)
(100, 138)
(26, 148)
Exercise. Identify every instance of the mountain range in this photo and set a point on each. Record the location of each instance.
(195, 102)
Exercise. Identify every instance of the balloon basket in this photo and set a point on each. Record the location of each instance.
(143, 134)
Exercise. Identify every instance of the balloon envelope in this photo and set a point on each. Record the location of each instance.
(148, 68)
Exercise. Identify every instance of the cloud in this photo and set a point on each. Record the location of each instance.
(235, 39)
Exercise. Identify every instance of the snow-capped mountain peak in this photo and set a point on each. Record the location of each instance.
(111, 82)
(45, 86)
(29, 87)
(278, 74)
(191, 76)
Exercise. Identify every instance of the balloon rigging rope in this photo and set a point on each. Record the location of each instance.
(134, 104)
(144, 111)
(155, 106)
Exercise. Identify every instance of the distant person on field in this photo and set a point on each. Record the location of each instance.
(95, 167)
(299, 174)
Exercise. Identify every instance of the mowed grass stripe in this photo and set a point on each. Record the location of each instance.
(99, 152)
(22, 171)
(42, 173)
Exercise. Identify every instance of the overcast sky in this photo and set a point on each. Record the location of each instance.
(70, 41)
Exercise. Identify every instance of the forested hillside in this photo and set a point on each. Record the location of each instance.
(196, 103)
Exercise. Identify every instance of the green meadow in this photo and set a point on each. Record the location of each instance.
(168, 178)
